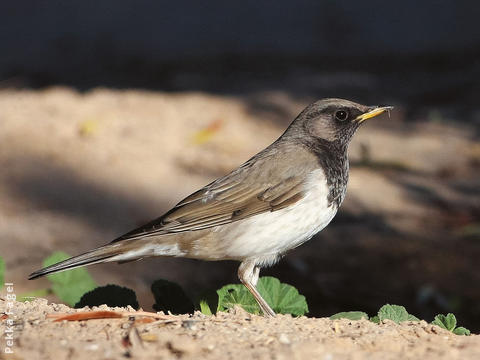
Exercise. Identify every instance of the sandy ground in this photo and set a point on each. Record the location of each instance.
(234, 335)
(79, 169)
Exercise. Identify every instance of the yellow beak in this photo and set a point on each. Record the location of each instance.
(374, 112)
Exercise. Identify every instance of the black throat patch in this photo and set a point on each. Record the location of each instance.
(332, 157)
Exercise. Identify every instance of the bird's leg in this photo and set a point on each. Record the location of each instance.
(256, 275)
(248, 274)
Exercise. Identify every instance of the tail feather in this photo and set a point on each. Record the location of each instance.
(107, 253)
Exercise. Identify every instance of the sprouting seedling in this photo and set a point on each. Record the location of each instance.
(394, 313)
(399, 314)
(449, 322)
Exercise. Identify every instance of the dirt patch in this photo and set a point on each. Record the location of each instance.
(79, 169)
(234, 335)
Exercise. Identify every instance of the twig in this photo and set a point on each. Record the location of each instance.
(88, 315)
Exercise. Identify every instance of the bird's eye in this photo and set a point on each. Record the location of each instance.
(341, 115)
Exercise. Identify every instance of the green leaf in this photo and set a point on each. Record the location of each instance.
(461, 331)
(395, 313)
(205, 307)
(111, 295)
(69, 285)
(283, 298)
(2, 272)
(350, 315)
(448, 322)
(208, 302)
(171, 297)
(236, 294)
(375, 319)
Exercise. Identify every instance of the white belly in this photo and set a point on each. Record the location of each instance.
(268, 235)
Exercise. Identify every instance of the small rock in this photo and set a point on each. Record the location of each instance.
(91, 347)
(209, 347)
(189, 324)
(283, 339)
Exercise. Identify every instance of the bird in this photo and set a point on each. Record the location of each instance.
(269, 205)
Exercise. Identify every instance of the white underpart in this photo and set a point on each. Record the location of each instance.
(266, 236)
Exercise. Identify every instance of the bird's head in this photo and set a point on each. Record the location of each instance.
(333, 120)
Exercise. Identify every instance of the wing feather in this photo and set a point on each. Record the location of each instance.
(246, 192)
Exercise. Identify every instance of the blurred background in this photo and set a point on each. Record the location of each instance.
(112, 111)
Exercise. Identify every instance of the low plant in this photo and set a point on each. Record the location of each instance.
(112, 295)
(449, 322)
(399, 314)
(77, 288)
(282, 298)
(170, 297)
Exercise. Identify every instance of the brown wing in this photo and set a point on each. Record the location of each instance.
(247, 191)
(214, 207)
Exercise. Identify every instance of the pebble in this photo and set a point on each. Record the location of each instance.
(210, 347)
(189, 324)
(283, 339)
(91, 347)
